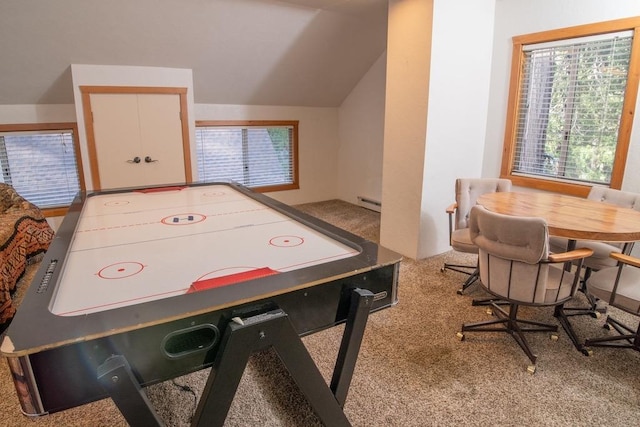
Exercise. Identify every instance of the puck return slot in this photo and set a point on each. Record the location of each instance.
(194, 339)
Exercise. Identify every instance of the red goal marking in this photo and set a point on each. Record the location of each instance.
(159, 189)
(230, 279)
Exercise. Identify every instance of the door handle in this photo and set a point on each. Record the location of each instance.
(136, 159)
(148, 159)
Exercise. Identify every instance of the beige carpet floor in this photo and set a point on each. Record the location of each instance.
(412, 370)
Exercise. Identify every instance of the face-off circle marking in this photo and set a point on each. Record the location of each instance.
(120, 270)
(286, 241)
(183, 219)
(213, 194)
(116, 203)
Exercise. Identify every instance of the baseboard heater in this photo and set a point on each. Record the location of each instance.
(368, 203)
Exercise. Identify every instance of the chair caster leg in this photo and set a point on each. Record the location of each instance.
(600, 307)
(531, 369)
(460, 336)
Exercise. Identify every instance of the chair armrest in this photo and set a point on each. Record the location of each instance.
(626, 259)
(571, 255)
(451, 209)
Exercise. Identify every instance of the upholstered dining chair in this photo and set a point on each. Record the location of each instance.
(467, 192)
(601, 250)
(619, 287)
(517, 268)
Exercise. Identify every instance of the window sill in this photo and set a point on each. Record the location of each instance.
(53, 212)
(579, 190)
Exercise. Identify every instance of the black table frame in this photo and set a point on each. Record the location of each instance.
(91, 351)
(243, 337)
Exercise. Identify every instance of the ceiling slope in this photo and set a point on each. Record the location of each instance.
(256, 52)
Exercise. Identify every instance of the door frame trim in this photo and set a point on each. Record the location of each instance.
(87, 91)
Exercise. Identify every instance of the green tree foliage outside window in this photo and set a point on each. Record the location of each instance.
(571, 102)
(259, 155)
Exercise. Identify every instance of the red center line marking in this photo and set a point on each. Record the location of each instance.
(118, 226)
(238, 212)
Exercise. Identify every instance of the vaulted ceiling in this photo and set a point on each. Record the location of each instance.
(256, 52)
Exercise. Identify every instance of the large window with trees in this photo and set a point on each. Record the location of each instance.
(571, 103)
(261, 155)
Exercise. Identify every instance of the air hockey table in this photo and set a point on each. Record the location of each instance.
(143, 285)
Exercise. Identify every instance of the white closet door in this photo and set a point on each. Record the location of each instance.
(117, 134)
(161, 137)
(128, 129)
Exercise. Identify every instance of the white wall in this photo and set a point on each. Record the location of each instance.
(45, 113)
(317, 144)
(318, 131)
(361, 132)
(407, 102)
(468, 87)
(115, 75)
(453, 125)
(458, 93)
(467, 95)
(518, 17)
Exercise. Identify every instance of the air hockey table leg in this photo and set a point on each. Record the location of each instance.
(118, 380)
(273, 329)
(359, 308)
(269, 329)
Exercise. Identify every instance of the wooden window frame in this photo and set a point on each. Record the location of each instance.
(626, 120)
(263, 123)
(25, 127)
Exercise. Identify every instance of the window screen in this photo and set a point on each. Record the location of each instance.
(571, 99)
(41, 166)
(256, 156)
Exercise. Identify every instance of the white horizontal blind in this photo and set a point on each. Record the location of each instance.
(571, 100)
(41, 166)
(252, 156)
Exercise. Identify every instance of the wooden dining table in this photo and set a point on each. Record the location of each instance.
(575, 219)
(571, 217)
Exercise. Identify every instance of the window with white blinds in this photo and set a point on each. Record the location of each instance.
(571, 107)
(571, 99)
(259, 155)
(41, 165)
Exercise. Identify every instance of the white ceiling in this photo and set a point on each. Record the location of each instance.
(259, 52)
